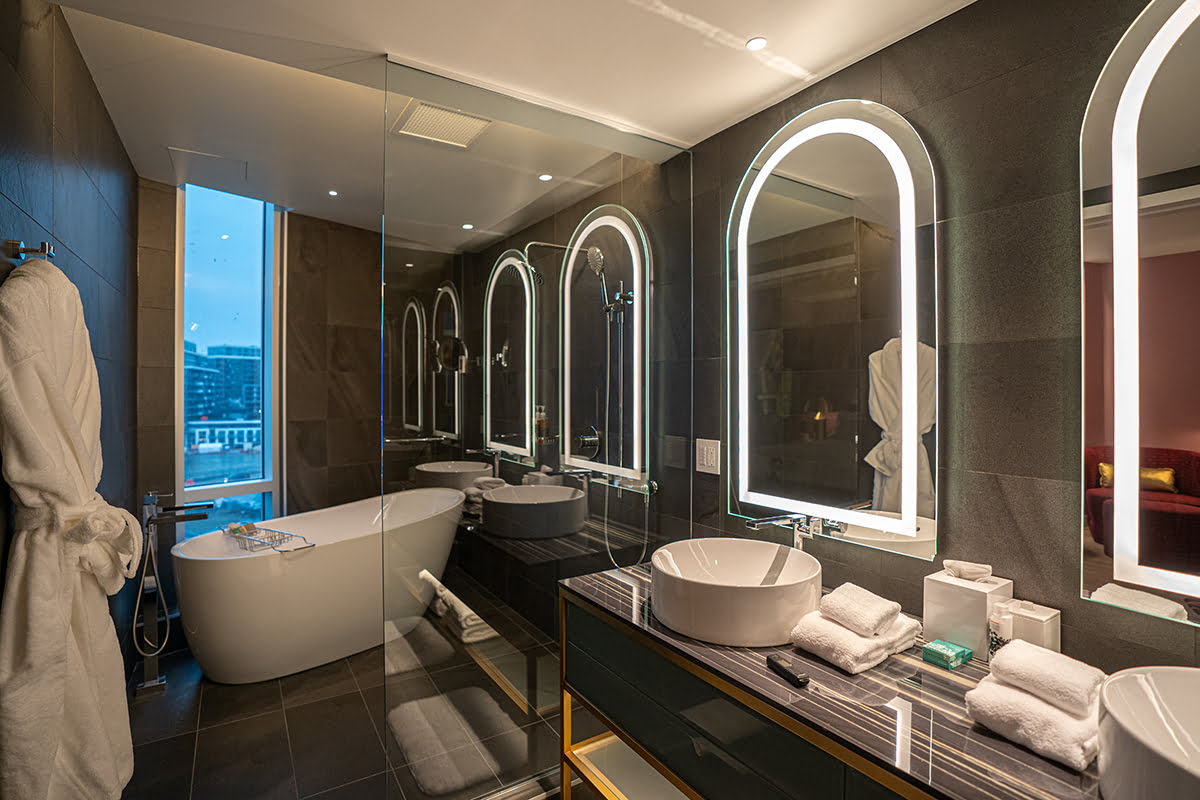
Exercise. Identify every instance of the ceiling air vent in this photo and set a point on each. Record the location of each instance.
(441, 124)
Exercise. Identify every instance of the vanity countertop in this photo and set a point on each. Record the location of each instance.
(905, 715)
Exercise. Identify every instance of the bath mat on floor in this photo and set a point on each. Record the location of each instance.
(421, 647)
(443, 739)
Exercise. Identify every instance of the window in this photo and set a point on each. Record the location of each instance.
(228, 376)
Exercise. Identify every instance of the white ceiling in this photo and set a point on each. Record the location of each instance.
(676, 72)
(288, 93)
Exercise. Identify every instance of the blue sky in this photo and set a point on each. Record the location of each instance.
(223, 278)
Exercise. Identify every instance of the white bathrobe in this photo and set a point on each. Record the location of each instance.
(64, 722)
(887, 411)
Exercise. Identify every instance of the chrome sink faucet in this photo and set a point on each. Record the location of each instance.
(493, 454)
(585, 479)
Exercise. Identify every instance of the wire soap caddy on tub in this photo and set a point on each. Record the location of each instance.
(252, 538)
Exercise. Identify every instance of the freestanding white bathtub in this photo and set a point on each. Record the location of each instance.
(253, 616)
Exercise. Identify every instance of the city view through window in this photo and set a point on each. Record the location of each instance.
(226, 436)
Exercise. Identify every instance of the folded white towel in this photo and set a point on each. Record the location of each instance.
(474, 494)
(1140, 601)
(465, 623)
(1060, 680)
(844, 648)
(1030, 721)
(967, 570)
(863, 612)
(489, 483)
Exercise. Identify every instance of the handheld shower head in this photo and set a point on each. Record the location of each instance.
(595, 260)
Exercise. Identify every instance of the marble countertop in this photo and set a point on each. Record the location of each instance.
(906, 715)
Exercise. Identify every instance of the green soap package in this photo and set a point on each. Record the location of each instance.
(946, 654)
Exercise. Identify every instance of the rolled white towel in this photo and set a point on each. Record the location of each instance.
(1060, 680)
(474, 494)
(967, 570)
(489, 483)
(1030, 721)
(844, 648)
(863, 612)
(1145, 602)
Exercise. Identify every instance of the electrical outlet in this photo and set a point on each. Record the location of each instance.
(708, 456)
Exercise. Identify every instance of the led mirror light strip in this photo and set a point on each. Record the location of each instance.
(514, 259)
(447, 290)
(417, 311)
(907, 524)
(1126, 324)
(640, 262)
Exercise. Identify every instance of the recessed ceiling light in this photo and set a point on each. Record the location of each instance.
(468, 226)
(224, 235)
(333, 192)
(408, 265)
(757, 43)
(545, 177)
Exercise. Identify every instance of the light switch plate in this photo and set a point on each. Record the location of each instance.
(708, 456)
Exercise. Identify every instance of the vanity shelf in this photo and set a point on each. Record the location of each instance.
(617, 772)
(716, 724)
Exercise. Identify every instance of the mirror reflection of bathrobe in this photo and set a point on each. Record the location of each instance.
(64, 722)
(887, 412)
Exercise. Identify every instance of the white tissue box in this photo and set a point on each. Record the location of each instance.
(957, 610)
(1037, 624)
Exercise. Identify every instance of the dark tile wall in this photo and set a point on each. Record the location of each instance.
(998, 92)
(156, 357)
(659, 196)
(332, 381)
(65, 178)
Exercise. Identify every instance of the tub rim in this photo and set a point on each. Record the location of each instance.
(177, 549)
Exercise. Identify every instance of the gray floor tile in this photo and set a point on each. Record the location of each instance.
(224, 702)
(162, 769)
(244, 760)
(329, 680)
(333, 742)
(372, 788)
(175, 711)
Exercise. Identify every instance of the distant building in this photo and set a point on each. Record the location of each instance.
(223, 396)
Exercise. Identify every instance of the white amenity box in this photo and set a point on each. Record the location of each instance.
(957, 610)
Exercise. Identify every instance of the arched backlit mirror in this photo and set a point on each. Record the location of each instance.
(833, 330)
(450, 358)
(508, 357)
(605, 285)
(1140, 157)
(412, 365)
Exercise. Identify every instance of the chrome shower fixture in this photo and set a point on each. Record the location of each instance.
(595, 259)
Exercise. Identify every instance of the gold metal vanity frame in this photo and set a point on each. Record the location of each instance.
(576, 763)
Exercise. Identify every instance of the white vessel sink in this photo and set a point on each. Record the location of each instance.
(923, 545)
(741, 592)
(452, 474)
(534, 512)
(1150, 734)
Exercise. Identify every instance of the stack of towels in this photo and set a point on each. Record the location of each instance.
(464, 623)
(855, 629)
(474, 493)
(1043, 700)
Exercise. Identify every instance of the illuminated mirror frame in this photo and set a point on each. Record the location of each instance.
(448, 293)
(853, 118)
(417, 310)
(618, 218)
(516, 260)
(1126, 322)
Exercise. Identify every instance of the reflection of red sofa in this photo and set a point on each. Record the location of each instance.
(1161, 532)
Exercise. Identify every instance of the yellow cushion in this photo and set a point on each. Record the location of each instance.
(1152, 480)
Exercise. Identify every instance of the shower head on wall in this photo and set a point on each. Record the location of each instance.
(595, 260)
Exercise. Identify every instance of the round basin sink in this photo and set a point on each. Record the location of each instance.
(452, 474)
(1150, 734)
(534, 512)
(741, 592)
(923, 545)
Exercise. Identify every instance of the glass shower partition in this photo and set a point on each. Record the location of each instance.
(470, 700)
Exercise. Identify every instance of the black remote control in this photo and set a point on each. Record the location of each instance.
(784, 669)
